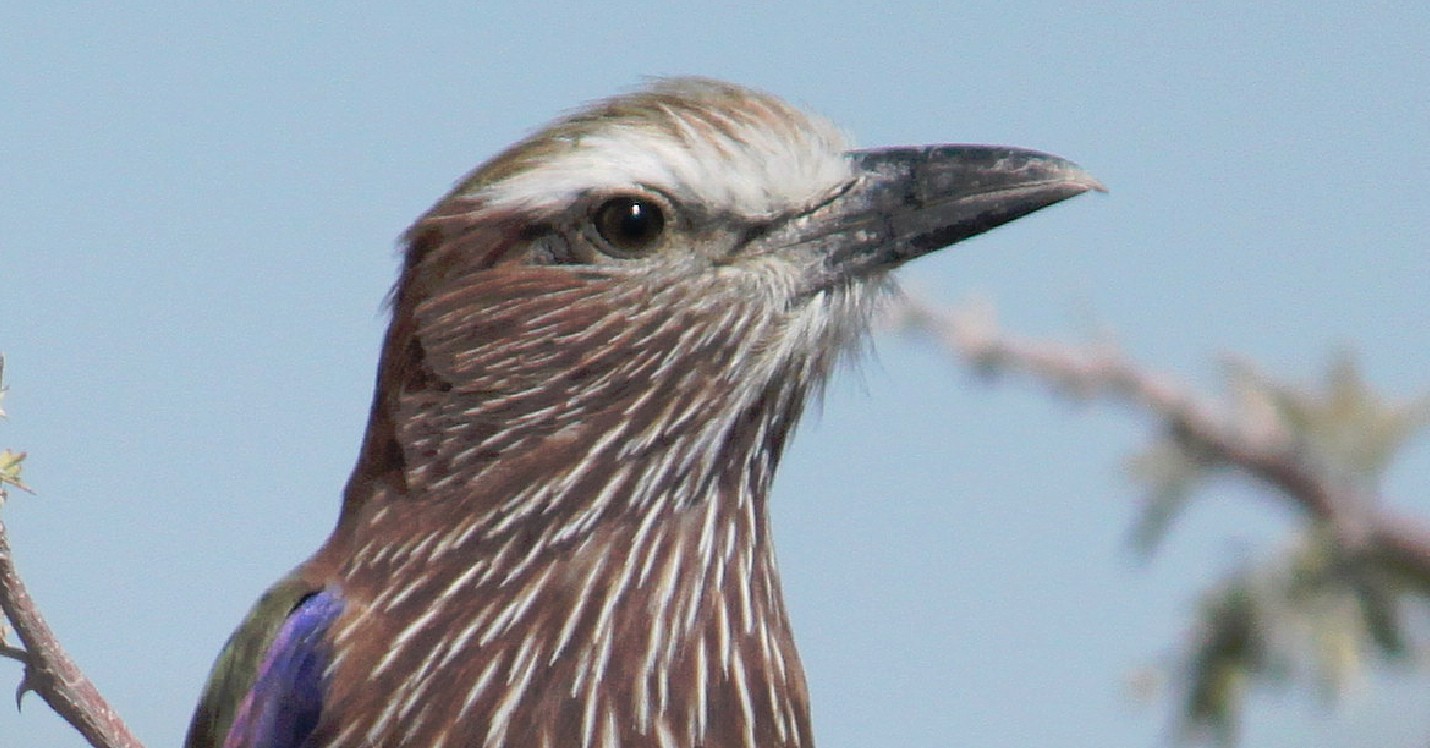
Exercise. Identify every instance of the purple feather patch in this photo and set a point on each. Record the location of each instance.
(282, 708)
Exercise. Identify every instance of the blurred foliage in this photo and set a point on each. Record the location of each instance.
(1315, 609)
(1350, 588)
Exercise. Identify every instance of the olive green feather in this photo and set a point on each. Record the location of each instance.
(237, 665)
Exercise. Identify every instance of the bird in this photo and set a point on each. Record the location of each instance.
(556, 532)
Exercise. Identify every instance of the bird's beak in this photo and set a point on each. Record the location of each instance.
(907, 202)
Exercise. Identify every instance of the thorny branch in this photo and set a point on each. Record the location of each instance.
(49, 671)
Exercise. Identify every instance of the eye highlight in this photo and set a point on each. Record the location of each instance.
(629, 227)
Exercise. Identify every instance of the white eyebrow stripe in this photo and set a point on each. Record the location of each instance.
(748, 165)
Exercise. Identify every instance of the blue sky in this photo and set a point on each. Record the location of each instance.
(200, 211)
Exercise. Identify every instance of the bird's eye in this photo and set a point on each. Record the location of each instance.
(629, 226)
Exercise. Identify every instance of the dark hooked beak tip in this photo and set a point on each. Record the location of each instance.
(907, 202)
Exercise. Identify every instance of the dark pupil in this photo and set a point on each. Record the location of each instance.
(630, 224)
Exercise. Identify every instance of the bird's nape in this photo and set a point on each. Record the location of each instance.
(556, 532)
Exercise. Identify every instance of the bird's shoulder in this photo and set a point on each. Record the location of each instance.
(295, 607)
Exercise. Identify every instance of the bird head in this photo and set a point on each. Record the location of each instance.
(600, 342)
(692, 248)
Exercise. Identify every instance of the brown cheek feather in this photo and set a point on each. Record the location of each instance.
(441, 248)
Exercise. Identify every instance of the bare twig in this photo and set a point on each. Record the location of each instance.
(1357, 519)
